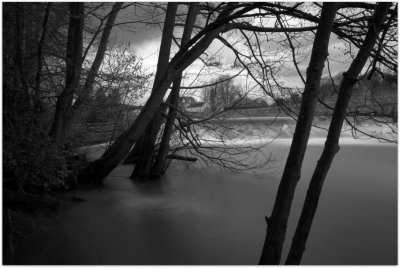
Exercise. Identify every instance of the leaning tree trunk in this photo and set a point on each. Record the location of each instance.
(159, 163)
(332, 141)
(74, 65)
(145, 152)
(37, 104)
(20, 74)
(78, 107)
(100, 168)
(276, 230)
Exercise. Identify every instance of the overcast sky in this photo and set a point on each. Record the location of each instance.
(145, 40)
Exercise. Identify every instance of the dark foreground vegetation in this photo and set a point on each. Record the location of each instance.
(70, 79)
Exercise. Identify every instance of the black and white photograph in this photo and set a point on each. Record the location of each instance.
(199, 133)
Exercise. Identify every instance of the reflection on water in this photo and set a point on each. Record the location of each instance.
(198, 216)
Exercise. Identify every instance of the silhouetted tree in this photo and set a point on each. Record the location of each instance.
(213, 28)
(277, 222)
(65, 110)
(100, 168)
(73, 61)
(332, 142)
(145, 148)
(160, 159)
(94, 69)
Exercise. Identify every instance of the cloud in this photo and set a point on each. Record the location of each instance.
(145, 40)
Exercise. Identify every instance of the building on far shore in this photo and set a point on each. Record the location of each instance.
(198, 107)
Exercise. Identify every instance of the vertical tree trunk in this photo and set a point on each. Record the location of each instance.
(66, 116)
(158, 167)
(73, 65)
(146, 148)
(94, 69)
(277, 223)
(37, 104)
(19, 48)
(332, 141)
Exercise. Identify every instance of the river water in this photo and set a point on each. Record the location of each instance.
(204, 216)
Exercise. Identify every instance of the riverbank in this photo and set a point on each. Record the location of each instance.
(258, 131)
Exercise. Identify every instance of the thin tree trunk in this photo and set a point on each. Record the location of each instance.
(94, 69)
(74, 65)
(146, 148)
(19, 48)
(162, 153)
(40, 58)
(332, 142)
(99, 169)
(277, 223)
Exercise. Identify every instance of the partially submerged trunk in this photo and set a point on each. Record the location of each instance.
(159, 163)
(73, 65)
(277, 223)
(159, 159)
(332, 142)
(146, 149)
(99, 169)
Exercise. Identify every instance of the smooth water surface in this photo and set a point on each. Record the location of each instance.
(200, 216)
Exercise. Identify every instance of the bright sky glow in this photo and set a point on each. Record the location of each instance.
(144, 40)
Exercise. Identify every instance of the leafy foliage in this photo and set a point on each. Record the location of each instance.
(30, 160)
(121, 80)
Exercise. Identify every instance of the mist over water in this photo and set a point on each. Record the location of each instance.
(203, 216)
